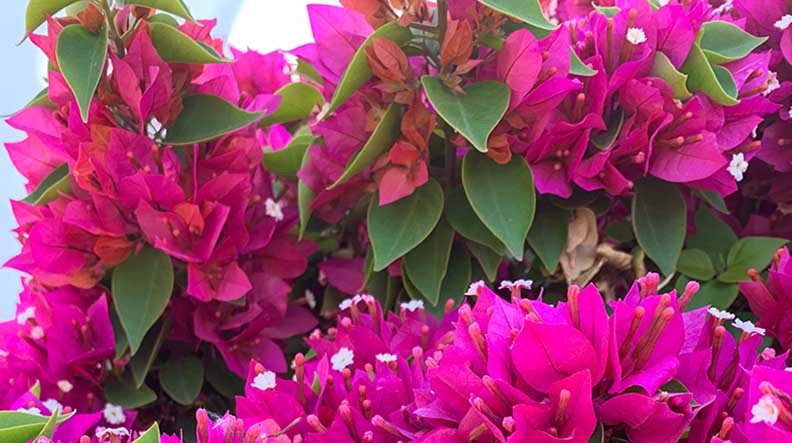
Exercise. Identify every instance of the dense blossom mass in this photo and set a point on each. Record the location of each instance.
(278, 248)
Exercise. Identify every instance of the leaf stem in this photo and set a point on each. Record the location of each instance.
(111, 29)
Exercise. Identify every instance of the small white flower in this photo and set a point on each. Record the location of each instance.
(788, 369)
(720, 315)
(765, 411)
(783, 22)
(725, 7)
(264, 381)
(26, 315)
(274, 209)
(104, 434)
(521, 284)
(636, 36)
(475, 287)
(37, 332)
(34, 410)
(738, 166)
(412, 305)
(663, 2)
(346, 304)
(748, 327)
(53, 405)
(755, 132)
(343, 358)
(789, 112)
(772, 83)
(65, 386)
(386, 358)
(310, 298)
(114, 414)
(678, 103)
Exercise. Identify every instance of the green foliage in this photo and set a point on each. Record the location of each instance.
(206, 117)
(53, 186)
(140, 363)
(659, 220)
(749, 253)
(724, 42)
(548, 235)
(305, 196)
(123, 392)
(527, 11)
(663, 68)
(287, 161)
(696, 264)
(427, 264)
(175, 46)
(182, 379)
(714, 81)
(298, 101)
(81, 58)
(38, 10)
(152, 435)
(464, 220)
(176, 7)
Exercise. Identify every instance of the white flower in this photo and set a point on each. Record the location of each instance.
(783, 22)
(343, 358)
(264, 381)
(725, 7)
(738, 166)
(33, 410)
(748, 327)
(104, 434)
(386, 358)
(475, 287)
(521, 284)
(346, 303)
(636, 36)
(765, 411)
(65, 386)
(310, 298)
(37, 332)
(53, 405)
(789, 112)
(114, 414)
(412, 305)
(663, 2)
(720, 315)
(772, 83)
(274, 209)
(26, 315)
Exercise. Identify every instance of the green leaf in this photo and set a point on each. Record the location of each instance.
(748, 253)
(713, 293)
(307, 71)
(49, 427)
(298, 100)
(285, 162)
(21, 427)
(456, 280)
(464, 220)
(176, 7)
(608, 11)
(122, 392)
(527, 11)
(666, 70)
(175, 46)
(473, 114)
(604, 140)
(713, 199)
(142, 287)
(713, 236)
(696, 264)
(21, 433)
(659, 221)
(599, 434)
(548, 235)
(206, 117)
(724, 42)
(141, 362)
(81, 57)
(702, 77)
(152, 435)
(182, 379)
(223, 380)
(674, 386)
(427, 264)
(620, 231)
(36, 390)
(488, 259)
(576, 66)
(166, 19)
(53, 186)
(386, 132)
(305, 197)
(502, 196)
(395, 229)
(38, 10)
(358, 72)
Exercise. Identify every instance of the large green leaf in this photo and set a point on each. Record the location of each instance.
(298, 100)
(305, 196)
(52, 187)
(712, 293)
(527, 11)
(464, 220)
(749, 253)
(21, 433)
(182, 379)
(152, 435)
(177, 47)
(473, 114)
(386, 132)
(38, 10)
(702, 76)
(712, 236)
(724, 42)
(663, 68)
(141, 362)
(206, 117)
(176, 7)
(286, 162)
(49, 427)
(395, 229)
(21, 427)
(427, 264)
(123, 392)
(502, 196)
(142, 287)
(659, 221)
(604, 140)
(223, 380)
(358, 72)
(548, 235)
(576, 66)
(456, 280)
(696, 264)
(81, 57)
(713, 199)
(488, 259)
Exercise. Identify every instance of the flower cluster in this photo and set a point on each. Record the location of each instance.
(771, 300)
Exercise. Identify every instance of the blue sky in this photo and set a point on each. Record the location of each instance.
(263, 25)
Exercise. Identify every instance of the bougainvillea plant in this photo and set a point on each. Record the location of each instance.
(200, 216)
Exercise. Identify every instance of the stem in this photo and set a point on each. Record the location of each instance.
(450, 156)
(442, 19)
(393, 289)
(111, 29)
